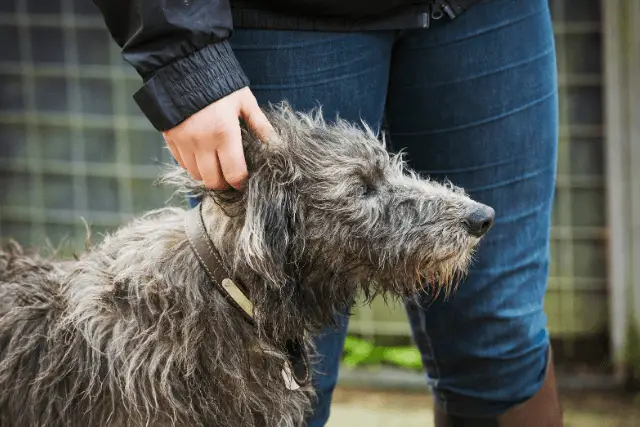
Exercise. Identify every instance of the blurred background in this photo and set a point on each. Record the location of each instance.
(74, 145)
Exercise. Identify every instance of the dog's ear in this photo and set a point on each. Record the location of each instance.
(268, 230)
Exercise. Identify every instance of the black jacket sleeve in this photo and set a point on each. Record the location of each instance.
(180, 49)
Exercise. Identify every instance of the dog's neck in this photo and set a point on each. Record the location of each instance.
(221, 230)
(311, 295)
(211, 261)
(296, 370)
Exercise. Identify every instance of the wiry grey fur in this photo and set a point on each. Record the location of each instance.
(132, 333)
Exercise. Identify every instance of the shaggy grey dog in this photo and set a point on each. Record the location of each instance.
(132, 332)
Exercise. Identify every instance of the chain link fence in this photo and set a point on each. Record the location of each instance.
(74, 145)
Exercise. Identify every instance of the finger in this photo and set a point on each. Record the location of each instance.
(191, 165)
(232, 161)
(175, 152)
(210, 170)
(256, 120)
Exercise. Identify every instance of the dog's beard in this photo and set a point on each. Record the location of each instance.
(450, 272)
(418, 274)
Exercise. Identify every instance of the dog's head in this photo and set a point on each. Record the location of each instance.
(327, 210)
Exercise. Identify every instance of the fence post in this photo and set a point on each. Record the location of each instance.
(621, 35)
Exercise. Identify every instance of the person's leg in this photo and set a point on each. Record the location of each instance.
(345, 74)
(475, 101)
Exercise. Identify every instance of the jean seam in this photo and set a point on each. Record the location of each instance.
(545, 53)
(500, 116)
(440, 396)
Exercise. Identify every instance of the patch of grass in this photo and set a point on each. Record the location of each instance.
(359, 352)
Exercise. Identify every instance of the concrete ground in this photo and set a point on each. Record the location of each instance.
(364, 408)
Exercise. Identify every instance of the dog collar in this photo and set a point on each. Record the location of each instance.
(210, 260)
(295, 372)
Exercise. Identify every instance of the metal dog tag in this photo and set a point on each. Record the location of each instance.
(289, 382)
(238, 296)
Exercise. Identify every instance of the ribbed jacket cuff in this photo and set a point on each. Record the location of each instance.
(186, 86)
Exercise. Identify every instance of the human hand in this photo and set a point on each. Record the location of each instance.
(209, 145)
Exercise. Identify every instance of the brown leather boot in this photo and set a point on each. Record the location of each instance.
(542, 410)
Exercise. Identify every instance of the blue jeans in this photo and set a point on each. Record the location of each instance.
(473, 100)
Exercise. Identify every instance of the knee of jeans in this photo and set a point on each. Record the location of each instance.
(514, 382)
(482, 371)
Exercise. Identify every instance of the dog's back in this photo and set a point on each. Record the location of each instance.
(31, 306)
(28, 300)
(130, 335)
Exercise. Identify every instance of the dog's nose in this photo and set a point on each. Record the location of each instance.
(480, 220)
